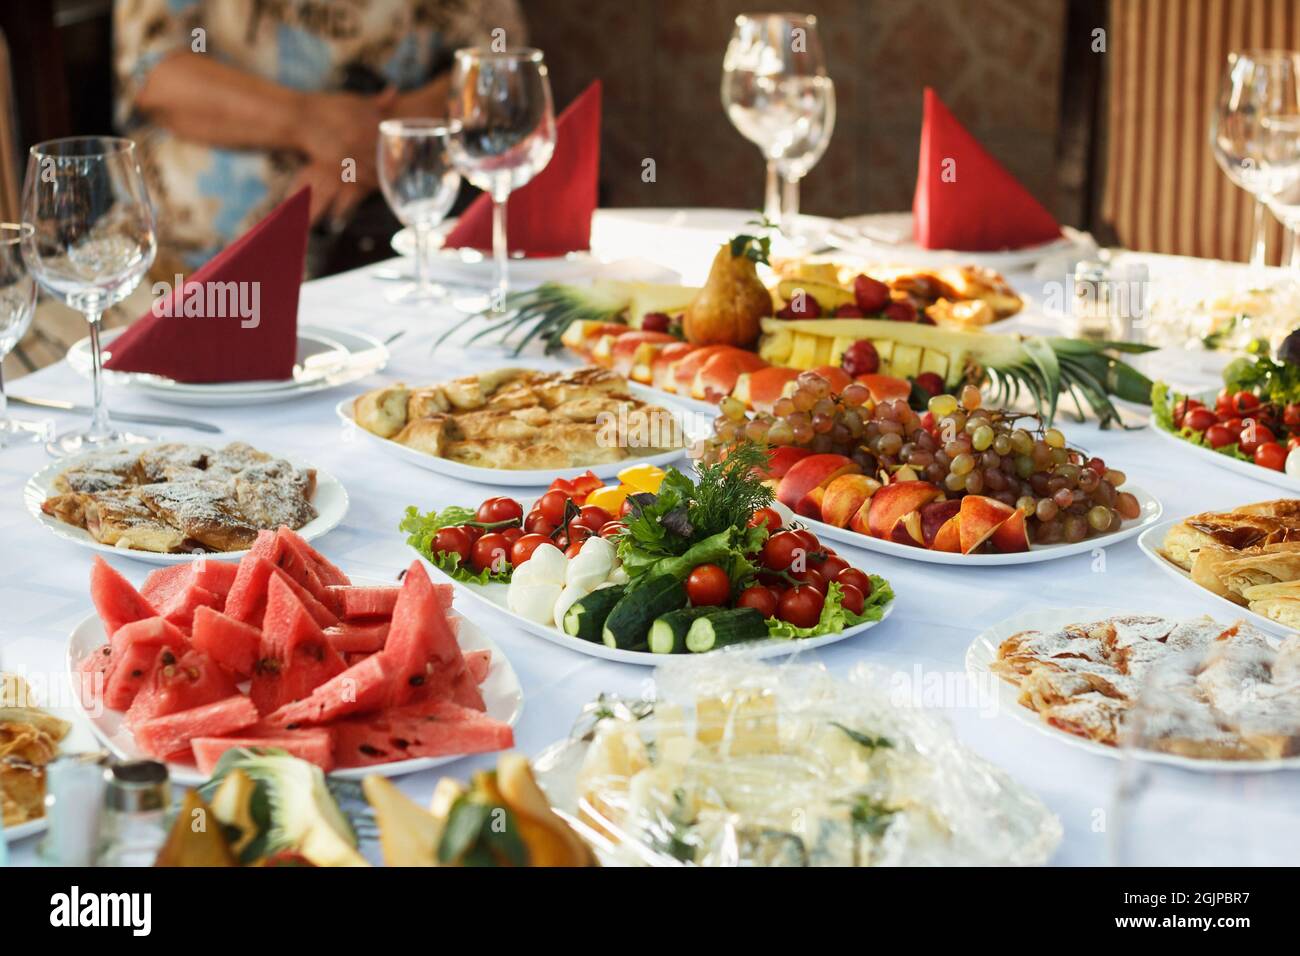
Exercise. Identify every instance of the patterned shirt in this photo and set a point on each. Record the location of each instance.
(206, 196)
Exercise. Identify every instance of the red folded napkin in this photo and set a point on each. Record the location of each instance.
(236, 318)
(551, 215)
(965, 199)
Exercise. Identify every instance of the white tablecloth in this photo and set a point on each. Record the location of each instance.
(43, 580)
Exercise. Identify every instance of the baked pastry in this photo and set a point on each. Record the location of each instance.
(29, 740)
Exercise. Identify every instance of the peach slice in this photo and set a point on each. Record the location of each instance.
(1012, 535)
(981, 516)
(717, 377)
(782, 458)
(885, 387)
(761, 388)
(935, 515)
(684, 372)
(948, 537)
(583, 334)
(895, 500)
(809, 473)
(625, 348)
(908, 530)
(838, 378)
(845, 496)
(661, 370)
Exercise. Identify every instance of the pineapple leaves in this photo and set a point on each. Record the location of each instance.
(1045, 362)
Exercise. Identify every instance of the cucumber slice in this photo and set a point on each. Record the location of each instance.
(628, 624)
(725, 627)
(668, 633)
(585, 619)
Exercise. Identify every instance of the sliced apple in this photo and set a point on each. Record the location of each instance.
(907, 530)
(885, 387)
(626, 348)
(761, 388)
(684, 372)
(895, 500)
(948, 537)
(1012, 535)
(935, 515)
(809, 473)
(838, 378)
(782, 458)
(661, 370)
(845, 496)
(981, 516)
(717, 377)
(582, 334)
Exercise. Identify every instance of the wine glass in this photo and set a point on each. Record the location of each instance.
(777, 94)
(1252, 129)
(91, 242)
(1184, 798)
(17, 304)
(420, 184)
(506, 136)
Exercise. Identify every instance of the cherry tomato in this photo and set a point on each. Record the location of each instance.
(1234, 425)
(762, 599)
(832, 566)
(708, 586)
(1294, 442)
(1219, 435)
(811, 575)
(768, 516)
(1181, 408)
(537, 523)
(809, 540)
(593, 517)
(626, 508)
(612, 529)
(584, 485)
(1271, 455)
(472, 532)
(1199, 419)
(492, 550)
(852, 599)
(1243, 403)
(1291, 415)
(781, 549)
(801, 605)
(452, 541)
(1254, 435)
(1223, 402)
(512, 534)
(577, 533)
(855, 578)
(572, 550)
(552, 505)
(499, 509)
(523, 549)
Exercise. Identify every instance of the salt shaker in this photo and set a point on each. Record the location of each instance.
(74, 793)
(133, 825)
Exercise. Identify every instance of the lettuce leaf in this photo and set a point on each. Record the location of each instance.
(1163, 400)
(727, 549)
(421, 530)
(835, 617)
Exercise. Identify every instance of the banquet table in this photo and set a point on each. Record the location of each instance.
(940, 609)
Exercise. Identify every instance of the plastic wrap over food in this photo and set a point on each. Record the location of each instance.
(737, 762)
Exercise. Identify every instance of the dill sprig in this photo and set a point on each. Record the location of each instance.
(728, 492)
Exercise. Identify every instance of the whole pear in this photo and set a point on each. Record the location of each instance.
(728, 310)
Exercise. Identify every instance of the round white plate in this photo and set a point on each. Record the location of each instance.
(330, 501)
(326, 358)
(984, 650)
(494, 595)
(1247, 469)
(1151, 511)
(1150, 542)
(532, 477)
(475, 264)
(887, 237)
(502, 693)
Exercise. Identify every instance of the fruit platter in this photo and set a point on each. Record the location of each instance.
(283, 651)
(1251, 425)
(658, 564)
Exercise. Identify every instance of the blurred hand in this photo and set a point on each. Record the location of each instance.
(344, 126)
(332, 199)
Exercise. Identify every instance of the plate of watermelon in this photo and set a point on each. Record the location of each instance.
(284, 650)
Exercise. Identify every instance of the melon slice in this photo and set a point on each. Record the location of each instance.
(315, 745)
(479, 663)
(364, 686)
(170, 736)
(92, 675)
(248, 595)
(357, 603)
(358, 637)
(327, 572)
(179, 683)
(233, 644)
(294, 658)
(116, 601)
(180, 609)
(285, 555)
(432, 729)
(422, 648)
(164, 584)
(135, 647)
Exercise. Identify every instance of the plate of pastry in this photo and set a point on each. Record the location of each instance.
(326, 358)
(518, 426)
(1076, 674)
(30, 738)
(1247, 559)
(167, 502)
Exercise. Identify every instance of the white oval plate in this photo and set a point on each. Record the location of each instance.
(1150, 542)
(984, 650)
(327, 358)
(532, 477)
(330, 501)
(476, 264)
(1247, 469)
(1151, 511)
(494, 595)
(502, 693)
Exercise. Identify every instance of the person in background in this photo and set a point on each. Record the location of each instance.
(235, 104)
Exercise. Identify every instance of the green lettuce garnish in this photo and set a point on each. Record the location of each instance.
(1163, 401)
(421, 530)
(835, 617)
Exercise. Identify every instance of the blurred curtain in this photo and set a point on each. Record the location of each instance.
(8, 138)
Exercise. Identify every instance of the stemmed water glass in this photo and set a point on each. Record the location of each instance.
(1253, 130)
(777, 94)
(502, 105)
(17, 304)
(91, 242)
(420, 184)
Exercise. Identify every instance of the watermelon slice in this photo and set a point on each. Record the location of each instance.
(135, 647)
(248, 595)
(163, 584)
(356, 657)
(436, 728)
(170, 736)
(479, 663)
(92, 674)
(288, 558)
(116, 601)
(328, 573)
(294, 658)
(232, 644)
(315, 745)
(364, 686)
(179, 683)
(422, 649)
(180, 609)
(366, 602)
(352, 637)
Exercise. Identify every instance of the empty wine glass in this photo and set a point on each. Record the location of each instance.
(420, 184)
(777, 94)
(91, 242)
(17, 303)
(1252, 130)
(506, 135)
